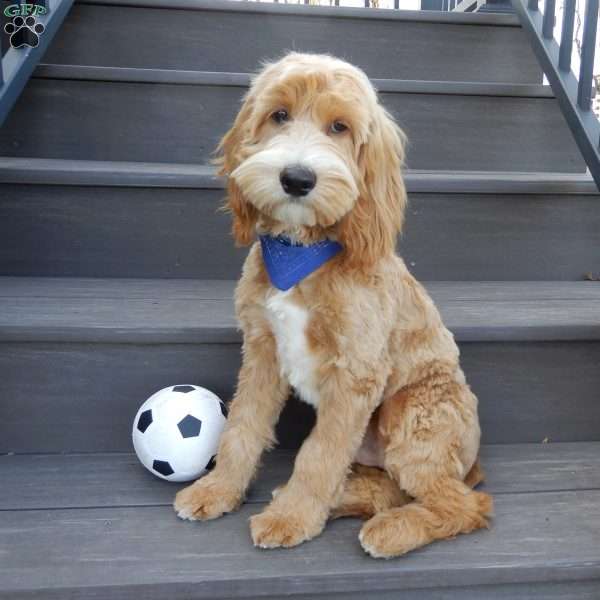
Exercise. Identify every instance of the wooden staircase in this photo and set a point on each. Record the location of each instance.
(117, 275)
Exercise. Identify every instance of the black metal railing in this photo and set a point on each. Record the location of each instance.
(574, 93)
(17, 62)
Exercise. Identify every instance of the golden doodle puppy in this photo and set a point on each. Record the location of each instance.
(328, 308)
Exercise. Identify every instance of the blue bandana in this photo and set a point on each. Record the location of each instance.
(287, 263)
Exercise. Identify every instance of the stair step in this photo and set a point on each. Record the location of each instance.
(104, 480)
(93, 113)
(31, 170)
(99, 526)
(405, 44)
(201, 312)
(80, 218)
(78, 356)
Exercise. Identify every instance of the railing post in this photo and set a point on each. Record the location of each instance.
(533, 5)
(566, 37)
(548, 23)
(588, 49)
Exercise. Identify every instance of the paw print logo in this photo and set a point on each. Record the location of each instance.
(24, 32)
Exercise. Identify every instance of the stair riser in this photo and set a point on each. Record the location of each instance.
(158, 232)
(582, 590)
(99, 120)
(186, 39)
(83, 397)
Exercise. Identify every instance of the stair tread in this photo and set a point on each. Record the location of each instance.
(58, 171)
(242, 79)
(201, 311)
(429, 16)
(107, 479)
(480, 131)
(546, 498)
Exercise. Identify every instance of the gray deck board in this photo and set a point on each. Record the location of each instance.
(57, 397)
(228, 79)
(85, 231)
(406, 44)
(56, 171)
(56, 481)
(220, 6)
(183, 311)
(147, 552)
(100, 120)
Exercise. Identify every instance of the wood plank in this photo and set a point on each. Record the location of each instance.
(223, 289)
(61, 399)
(75, 231)
(578, 590)
(57, 118)
(186, 77)
(95, 310)
(469, 18)
(51, 481)
(56, 171)
(147, 552)
(389, 41)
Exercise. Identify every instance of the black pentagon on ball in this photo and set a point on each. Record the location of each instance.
(223, 408)
(145, 420)
(162, 467)
(189, 426)
(211, 463)
(183, 389)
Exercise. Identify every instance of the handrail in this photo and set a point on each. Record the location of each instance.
(574, 94)
(18, 63)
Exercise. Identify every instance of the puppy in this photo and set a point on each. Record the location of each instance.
(328, 308)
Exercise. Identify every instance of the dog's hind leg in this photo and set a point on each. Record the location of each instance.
(367, 491)
(443, 511)
(431, 457)
(370, 490)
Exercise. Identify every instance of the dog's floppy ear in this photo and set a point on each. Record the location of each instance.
(229, 156)
(371, 228)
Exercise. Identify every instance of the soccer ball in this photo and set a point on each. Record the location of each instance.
(176, 432)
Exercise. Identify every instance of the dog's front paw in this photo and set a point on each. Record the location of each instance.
(207, 498)
(271, 529)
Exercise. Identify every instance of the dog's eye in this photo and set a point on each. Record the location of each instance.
(338, 127)
(280, 116)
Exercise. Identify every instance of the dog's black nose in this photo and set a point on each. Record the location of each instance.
(297, 180)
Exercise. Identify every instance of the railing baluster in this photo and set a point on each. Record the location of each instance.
(533, 5)
(548, 23)
(588, 48)
(396, 4)
(566, 37)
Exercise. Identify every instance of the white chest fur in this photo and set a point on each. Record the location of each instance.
(289, 321)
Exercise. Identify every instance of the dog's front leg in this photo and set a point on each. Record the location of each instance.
(254, 410)
(300, 509)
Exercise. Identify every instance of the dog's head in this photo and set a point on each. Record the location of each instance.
(313, 154)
